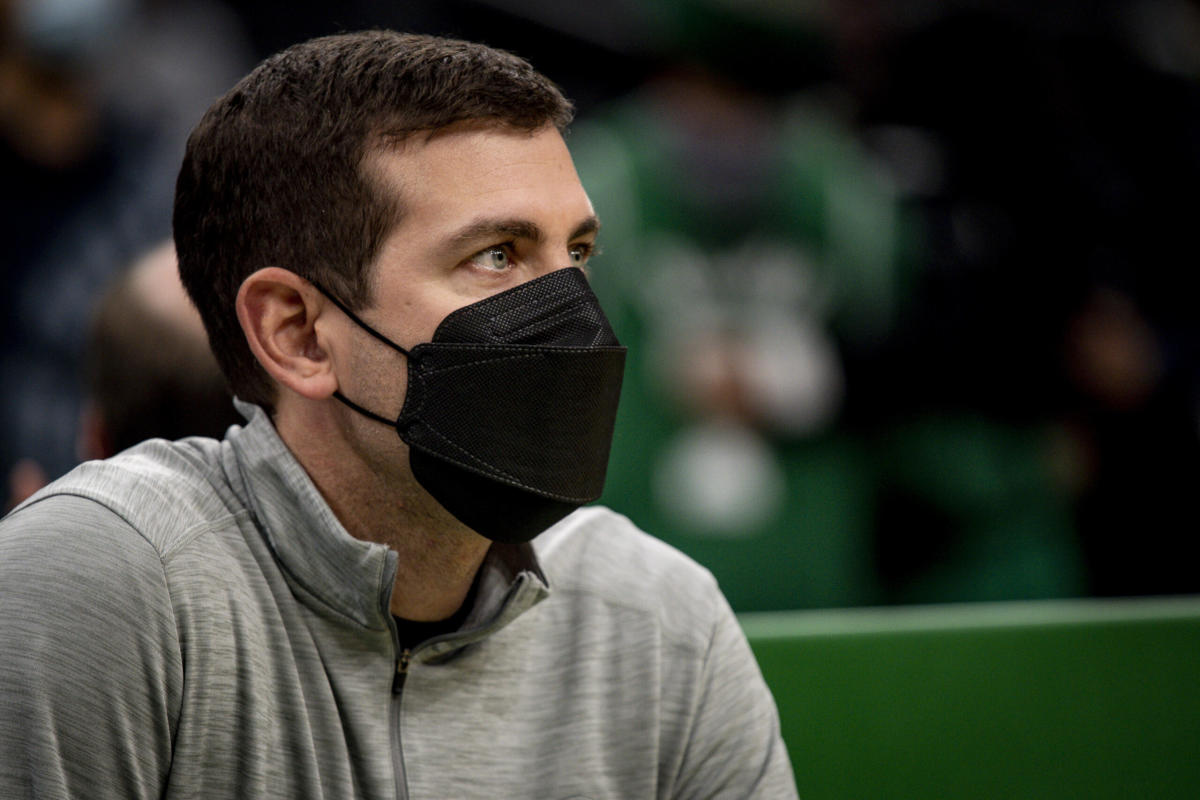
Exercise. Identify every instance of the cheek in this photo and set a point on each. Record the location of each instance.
(378, 379)
(417, 314)
(464, 287)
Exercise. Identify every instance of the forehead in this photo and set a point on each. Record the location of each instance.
(480, 169)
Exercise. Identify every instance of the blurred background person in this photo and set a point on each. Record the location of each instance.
(747, 237)
(96, 98)
(149, 370)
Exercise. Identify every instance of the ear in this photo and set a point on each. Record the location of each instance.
(278, 310)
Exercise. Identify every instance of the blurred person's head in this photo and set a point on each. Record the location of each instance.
(49, 55)
(283, 170)
(149, 370)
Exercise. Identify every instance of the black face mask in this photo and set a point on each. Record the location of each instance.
(510, 408)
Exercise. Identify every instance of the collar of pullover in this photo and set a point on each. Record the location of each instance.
(335, 573)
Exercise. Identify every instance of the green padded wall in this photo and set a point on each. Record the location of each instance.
(1058, 699)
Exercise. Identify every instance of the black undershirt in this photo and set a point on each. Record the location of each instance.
(412, 633)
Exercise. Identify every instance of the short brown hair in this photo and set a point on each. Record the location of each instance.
(275, 173)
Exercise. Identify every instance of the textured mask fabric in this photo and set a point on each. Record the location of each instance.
(510, 408)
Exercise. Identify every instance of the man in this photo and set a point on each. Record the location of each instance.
(384, 235)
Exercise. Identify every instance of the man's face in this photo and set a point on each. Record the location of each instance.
(485, 209)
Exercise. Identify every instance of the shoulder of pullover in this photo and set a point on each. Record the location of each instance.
(92, 654)
(600, 553)
(165, 491)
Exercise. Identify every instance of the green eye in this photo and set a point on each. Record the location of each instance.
(495, 258)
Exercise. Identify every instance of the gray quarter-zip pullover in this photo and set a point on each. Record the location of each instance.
(190, 620)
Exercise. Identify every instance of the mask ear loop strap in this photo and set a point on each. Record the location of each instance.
(354, 317)
(363, 411)
(345, 310)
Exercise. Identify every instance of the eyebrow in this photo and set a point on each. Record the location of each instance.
(486, 229)
(589, 225)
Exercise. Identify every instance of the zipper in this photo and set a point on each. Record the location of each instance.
(402, 662)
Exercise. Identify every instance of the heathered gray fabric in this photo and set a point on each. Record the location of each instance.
(189, 620)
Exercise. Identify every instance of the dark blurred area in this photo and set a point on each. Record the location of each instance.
(905, 284)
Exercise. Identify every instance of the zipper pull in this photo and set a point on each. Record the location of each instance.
(401, 669)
